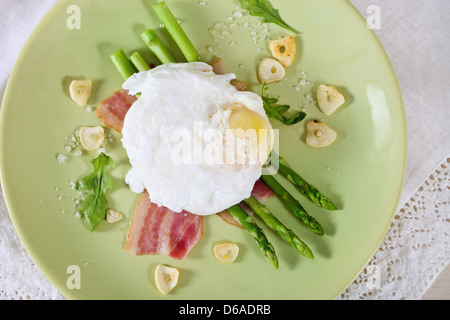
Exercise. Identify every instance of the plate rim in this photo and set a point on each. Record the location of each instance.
(26, 242)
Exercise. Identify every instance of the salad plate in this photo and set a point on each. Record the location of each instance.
(362, 171)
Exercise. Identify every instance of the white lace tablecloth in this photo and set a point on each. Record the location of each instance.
(416, 248)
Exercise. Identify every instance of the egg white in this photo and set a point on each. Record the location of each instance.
(178, 105)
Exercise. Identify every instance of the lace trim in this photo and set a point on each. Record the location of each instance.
(416, 248)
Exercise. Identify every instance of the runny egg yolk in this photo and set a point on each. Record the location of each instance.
(250, 125)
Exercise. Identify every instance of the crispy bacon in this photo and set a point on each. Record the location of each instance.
(113, 109)
(158, 230)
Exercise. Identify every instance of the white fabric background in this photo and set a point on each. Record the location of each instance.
(416, 248)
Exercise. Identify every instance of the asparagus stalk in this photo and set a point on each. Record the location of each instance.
(304, 187)
(176, 32)
(157, 47)
(139, 63)
(123, 64)
(258, 234)
(293, 204)
(272, 222)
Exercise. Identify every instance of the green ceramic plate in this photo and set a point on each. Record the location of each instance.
(362, 171)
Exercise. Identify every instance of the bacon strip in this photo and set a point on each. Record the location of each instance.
(158, 230)
(261, 191)
(113, 109)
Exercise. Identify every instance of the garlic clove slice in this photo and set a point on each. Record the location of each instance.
(113, 216)
(226, 252)
(166, 278)
(80, 91)
(284, 50)
(329, 99)
(319, 134)
(270, 70)
(91, 138)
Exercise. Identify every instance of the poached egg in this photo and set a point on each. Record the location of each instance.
(194, 142)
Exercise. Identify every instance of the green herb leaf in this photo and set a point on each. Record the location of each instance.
(263, 8)
(94, 206)
(275, 111)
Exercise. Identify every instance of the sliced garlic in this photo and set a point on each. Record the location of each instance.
(270, 70)
(329, 99)
(113, 216)
(80, 91)
(91, 138)
(284, 50)
(319, 134)
(166, 278)
(226, 252)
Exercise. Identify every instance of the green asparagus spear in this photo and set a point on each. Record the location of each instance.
(123, 64)
(304, 187)
(157, 47)
(138, 62)
(248, 223)
(293, 204)
(176, 32)
(272, 222)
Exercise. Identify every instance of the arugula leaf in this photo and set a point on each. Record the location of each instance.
(263, 8)
(274, 111)
(94, 206)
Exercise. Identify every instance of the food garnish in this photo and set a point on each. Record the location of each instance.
(80, 91)
(275, 111)
(91, 138)
(113, 216)
(270, 70)
(284, 50)
(319, 134)
(263, 9)
(94, 206)
(226, 252)
(329, 99)
(166, 278)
